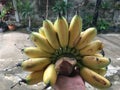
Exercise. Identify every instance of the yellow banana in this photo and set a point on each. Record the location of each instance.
(61, 27)
(41, 31)
(34, 52)
(98, 55)
(74, 30)
(50, 75)
(51, 34)
(34, 64)
(92, 48)
(95, 62)
(41, 42)
(94, 79)
(86, 37)
(101, 71)
(33, 78)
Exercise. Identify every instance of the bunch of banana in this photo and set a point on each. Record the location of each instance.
(57, 40)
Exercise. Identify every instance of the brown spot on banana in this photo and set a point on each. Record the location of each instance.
(97, 59)
(101, 47)
(35, 40)
(100, 80)
(29, 66)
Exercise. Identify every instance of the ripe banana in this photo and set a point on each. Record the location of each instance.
(75, 29)
(34, 52)
(86, 37)
(50, 75)
(34, 64)
(93, 78)
(95, 62)
(41, 42)
(51, 34)
(33, 78)
(98, 55)
(92, 48)
(61, 27)
(41, 31)
(101, 71)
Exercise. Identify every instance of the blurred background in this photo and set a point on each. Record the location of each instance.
(104, 14)
(18, 18)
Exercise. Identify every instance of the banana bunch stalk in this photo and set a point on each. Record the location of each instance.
(58, 39)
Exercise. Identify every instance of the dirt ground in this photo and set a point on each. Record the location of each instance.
(11, 44)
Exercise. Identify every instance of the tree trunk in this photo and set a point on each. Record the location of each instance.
(16, 12)
(96, 12)
(29, 24)
(29, 18)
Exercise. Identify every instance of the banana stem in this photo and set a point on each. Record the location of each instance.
(48, 85)
(102, 52)
(59, 14)
(79, 65)
(77, 12)
(10, 68)
(18, 65)
(22, 50)
(66, 52)
(18, 83)
(43, 18)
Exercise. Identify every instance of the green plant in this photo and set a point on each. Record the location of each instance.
(117, 5)
(102, 25)
(61, 6)
(6, 9)
(87, 20)
(3, 13)
(26, 10)
(105, 5)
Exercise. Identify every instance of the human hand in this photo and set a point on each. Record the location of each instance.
(65, 81)
(69, 83)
